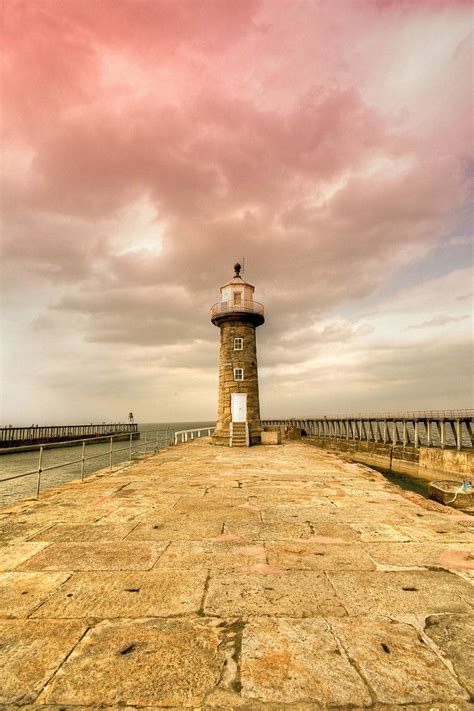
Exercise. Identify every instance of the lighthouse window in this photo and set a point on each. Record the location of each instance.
(238, 344)
(237, 297)
(238, 374)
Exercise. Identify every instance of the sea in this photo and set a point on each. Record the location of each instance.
(157, 436)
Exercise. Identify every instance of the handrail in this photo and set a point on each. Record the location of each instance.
(147, 445)
(226, 307)
(189, 434)
(409, 414)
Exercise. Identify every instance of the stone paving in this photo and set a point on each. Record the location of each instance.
(264, 578)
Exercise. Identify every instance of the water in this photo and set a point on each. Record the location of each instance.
(17, 489)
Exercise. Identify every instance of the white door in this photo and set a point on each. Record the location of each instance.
(239, 407)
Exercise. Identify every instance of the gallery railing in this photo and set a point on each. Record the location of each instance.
(229, 307)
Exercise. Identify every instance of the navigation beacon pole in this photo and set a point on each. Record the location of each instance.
(238, 315)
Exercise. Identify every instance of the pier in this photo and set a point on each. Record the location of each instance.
(439, 428)
(270, 577)
(28, 436)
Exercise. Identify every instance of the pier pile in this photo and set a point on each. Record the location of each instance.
(262, 578)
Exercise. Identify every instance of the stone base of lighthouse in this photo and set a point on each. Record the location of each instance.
(232, 327)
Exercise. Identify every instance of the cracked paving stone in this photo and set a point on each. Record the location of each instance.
(454, 635)
(21, 593)
(124, 594)
(314, 556)
(296, 593)
(119, 555)
(292, 661)
(401, 592)
(141, 663)
(30, 652)
(398, 666)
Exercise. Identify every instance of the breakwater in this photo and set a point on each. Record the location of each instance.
(34, 435)
(259, 578)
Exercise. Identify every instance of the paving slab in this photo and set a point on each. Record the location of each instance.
(221, 554)
(14, 529)
(269, 591)
(125, 594)
(452, 556)
(21, 593)
(298, 660)
(30, 653)
(306, 555)
(83, 532)
(265, 531)
(454, 636)
(12, 555)
(96, 556)
(404, 592)
(395, 662)
(184, 528)
(140, 663)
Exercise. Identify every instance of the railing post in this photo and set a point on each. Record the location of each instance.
(428, 433)
(404, 433)
(38, 481)
(442, 430)
(175, 438)
(417, 434)
(83, 458)
(110, 452)
(130, 450)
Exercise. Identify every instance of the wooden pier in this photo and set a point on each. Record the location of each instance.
(27, 436)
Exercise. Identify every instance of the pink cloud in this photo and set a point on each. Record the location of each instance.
(322, 140)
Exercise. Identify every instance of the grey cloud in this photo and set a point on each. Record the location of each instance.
(442, 320)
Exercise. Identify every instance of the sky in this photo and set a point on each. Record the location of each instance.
(148, 145)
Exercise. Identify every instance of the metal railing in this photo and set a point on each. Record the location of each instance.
(228, 307)
(186, 435)
(43, 434)
(407, 415)
(162, 437)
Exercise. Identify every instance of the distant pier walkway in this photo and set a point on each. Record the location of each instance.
(216, 578)
(27, 436)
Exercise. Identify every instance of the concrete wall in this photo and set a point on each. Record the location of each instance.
(426, 462)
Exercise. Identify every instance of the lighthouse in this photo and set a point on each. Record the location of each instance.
(237, 315)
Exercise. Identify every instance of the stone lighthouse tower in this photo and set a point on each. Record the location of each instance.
(238, 315)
